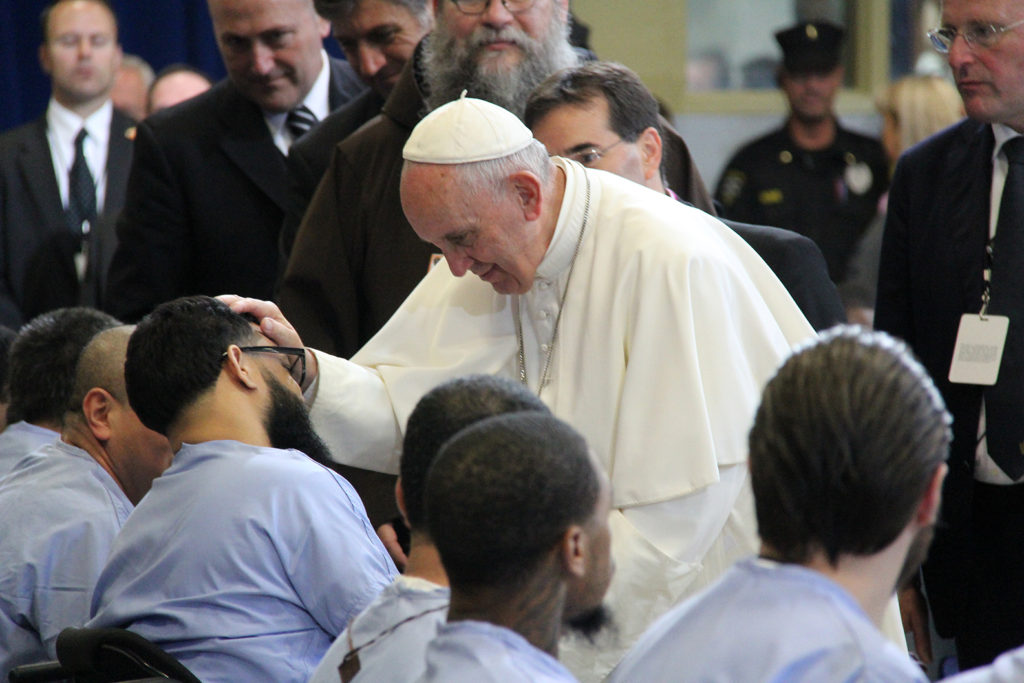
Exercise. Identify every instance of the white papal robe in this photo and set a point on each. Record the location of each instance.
(671, 326)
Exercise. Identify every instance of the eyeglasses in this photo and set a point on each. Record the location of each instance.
(298, 353)
(591, 155)
(480, 6)
(980, 35)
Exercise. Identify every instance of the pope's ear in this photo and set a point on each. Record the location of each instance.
(527, 187)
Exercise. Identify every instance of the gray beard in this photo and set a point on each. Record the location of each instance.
(451, 65)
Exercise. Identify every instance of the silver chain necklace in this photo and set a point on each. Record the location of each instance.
(561, 306)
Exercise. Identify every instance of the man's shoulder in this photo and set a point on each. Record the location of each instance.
(959, 136)
(861, 145)
(757, 149)
(11, 140)
(202, 112)
(339, 125)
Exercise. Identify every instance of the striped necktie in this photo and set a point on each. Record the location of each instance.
(299, 121)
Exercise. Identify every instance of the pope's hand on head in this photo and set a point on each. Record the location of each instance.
(274, 326)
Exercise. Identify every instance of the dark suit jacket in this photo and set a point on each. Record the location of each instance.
(798, 263)
(37, 270)
(205, 201)
(930, 273)
(309, 158)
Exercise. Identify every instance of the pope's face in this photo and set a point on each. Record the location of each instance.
(80, 52)
(988, 78)
(271, 48)
(483, 233)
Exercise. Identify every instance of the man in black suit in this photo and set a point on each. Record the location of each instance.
(208, 184)
(56, 234)
(942, 256)
(378, 38)
(603, 116)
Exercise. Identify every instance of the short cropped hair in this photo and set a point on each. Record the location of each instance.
(848, 436)
(44, 18)
(42, 362)
(176, 354)
(102, 365)
(632, 108)
(440, 414)
(341, 10)
(503, 492)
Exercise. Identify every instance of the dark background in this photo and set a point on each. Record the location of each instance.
(160, 31)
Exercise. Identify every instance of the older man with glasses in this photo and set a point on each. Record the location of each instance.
(952, 277)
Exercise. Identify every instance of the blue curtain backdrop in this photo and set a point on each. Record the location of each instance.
(160, 31)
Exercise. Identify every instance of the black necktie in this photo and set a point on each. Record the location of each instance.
(299, 121)
(1004, 402)
(81, 189)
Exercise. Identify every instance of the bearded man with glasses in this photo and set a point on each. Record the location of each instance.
(951, 274)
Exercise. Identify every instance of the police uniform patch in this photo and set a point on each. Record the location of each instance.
(732, 184)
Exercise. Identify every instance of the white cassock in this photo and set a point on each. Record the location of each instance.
(670, 327)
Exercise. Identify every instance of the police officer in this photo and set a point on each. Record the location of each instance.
(811, 175)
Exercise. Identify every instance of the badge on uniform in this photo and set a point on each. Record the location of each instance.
(858, 177)
(979, 349)
(732, 185)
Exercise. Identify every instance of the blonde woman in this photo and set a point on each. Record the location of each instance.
(913, 108)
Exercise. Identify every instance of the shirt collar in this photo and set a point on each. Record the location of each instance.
(65, 123)
(1002, 133)
(562, 248)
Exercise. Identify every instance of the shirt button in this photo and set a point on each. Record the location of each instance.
(543, 315)
(544, 284)
(544, 348)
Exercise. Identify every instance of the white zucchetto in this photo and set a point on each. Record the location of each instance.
(464, 131)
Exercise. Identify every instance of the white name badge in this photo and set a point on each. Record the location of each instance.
(979, 349)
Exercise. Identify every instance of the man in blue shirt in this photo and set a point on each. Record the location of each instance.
(518, 509)
(847, 458)
(41, 372)
(245, 560)
(62, 506)
(387, 641)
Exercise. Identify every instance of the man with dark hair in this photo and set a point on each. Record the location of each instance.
(812, 175)
(63, 175)
(518, 509)
(208, 183)
(41, 374)
(378, 37)
(847, 458)
(386, 641)
(578, 112)
(62, 505)
(245, 560)
(356, 257)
